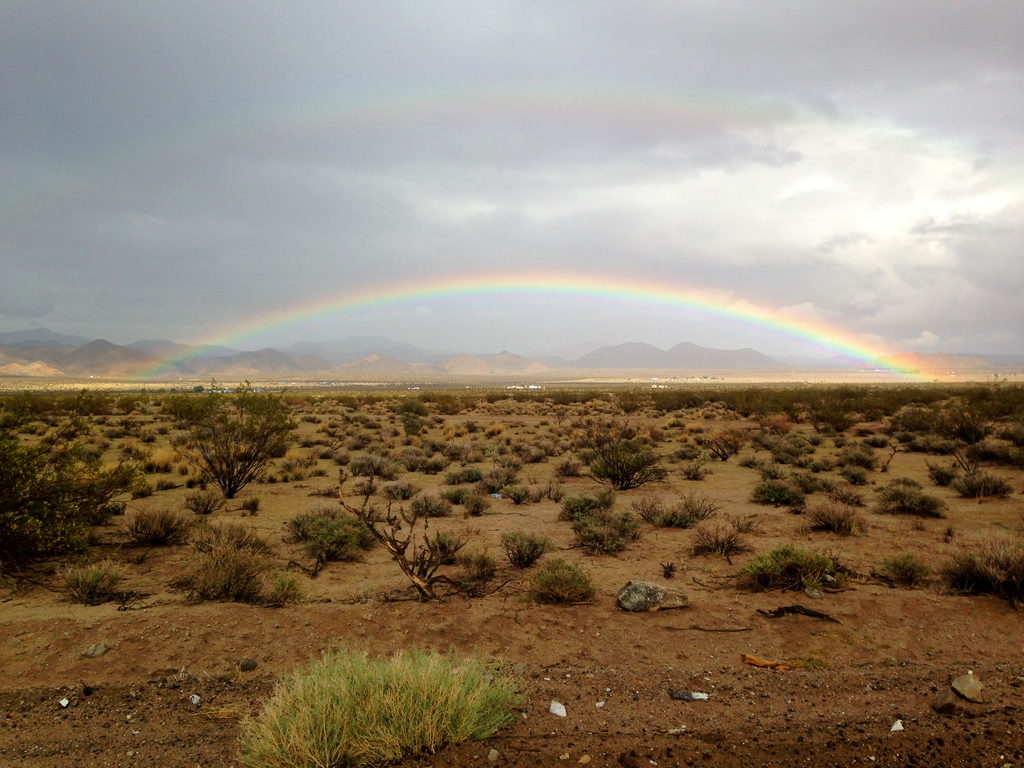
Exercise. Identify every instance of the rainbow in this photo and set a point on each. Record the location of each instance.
(555, 284)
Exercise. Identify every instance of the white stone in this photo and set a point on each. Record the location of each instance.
(557, 708)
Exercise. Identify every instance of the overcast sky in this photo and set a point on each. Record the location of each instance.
(169, 170)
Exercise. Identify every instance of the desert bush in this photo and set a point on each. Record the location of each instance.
(726, 443)
(685, 513)
(92, 584)
(330, 533)
(478, 569)
(428, 505)
(402, 490)
(834, 517)
(777, 493)
(517, 493)
(606, 531)
(906, 571)
(940, 474)
(523, 549)
(854, 475)
(905, 497)
(455, 495)
(204, 502)
(157, 528)
(222, 572)
(857, 456)
(434, 465)
(347, 709)
(373, 466)
(745, 523)
(576, 507)
(468, 475)
(997, 568)
(696, 470)
(235, 440)
(496, 479)
(979, 484)
(717, 540)
(445, 546)
(206, 538)
(771, 472)
(808, 483)
(616, 453)
(476, 504)
(558, 581)
(284, 588)
(791, 567)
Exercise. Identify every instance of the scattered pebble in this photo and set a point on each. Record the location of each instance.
(95, 651)
(493, 755)
(247, 665)
(689, 695)
(969, 686)
(557, 708)
(897, 726)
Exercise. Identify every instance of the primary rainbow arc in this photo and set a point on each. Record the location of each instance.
(549, 283)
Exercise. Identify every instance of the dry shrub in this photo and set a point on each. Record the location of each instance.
(558, 581)
(157, 527)
(791, 567)
(906, 571)
(717, 540)
(523, 549)
(996, 568)
(835, 517)
(330, 533)
(348, 709)
(92, 584)
(204, 502)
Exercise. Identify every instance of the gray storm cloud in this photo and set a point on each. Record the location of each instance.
(170, 170)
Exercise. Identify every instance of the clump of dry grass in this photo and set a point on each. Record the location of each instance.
(349, 709)
(92, 584)
(717, 540)
(835, 517)
(157, 527)
(997, 567)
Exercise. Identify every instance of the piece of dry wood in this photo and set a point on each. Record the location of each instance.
(798, 609)
(754, 661)
(698, 628)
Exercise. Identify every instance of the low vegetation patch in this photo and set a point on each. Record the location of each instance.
(835, 517)
(157, 528)
(92, 584)
(997, 568)
(906, 571)
(717, 540)
(905, 497)
(523, 549)
(777, 493)
(606, 531)
(982, 485)
(686, 512)
(348, 709)
(791, 567)
(559, 581)
(330, 533)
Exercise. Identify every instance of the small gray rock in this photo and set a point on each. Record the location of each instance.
(969, 686)
(95, 651)
(647, 596)
(247, 665)
(493, 755)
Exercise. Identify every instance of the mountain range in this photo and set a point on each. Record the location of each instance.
(40, 352)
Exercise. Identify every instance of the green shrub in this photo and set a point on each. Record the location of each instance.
(905, 497)
(348, 709)
(224, 573)
(941, 475)
(558, 581)
(606, 531)
(399, 491)
(330, 533)
(982, 485)
(92, 584)
(576, 507)
(157, 528)
(372, 465)
(446, 546)
(430, 506)
(906, 571)
(791, 567)
(476, 504)
(524, 549)
(478, 569)
(996, 568)
(517, 493)
(777, 493)
(854, 475)
(283, 589)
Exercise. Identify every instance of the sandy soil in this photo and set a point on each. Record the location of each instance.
(890, 657)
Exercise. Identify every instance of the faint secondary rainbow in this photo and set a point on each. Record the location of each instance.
(547, 283)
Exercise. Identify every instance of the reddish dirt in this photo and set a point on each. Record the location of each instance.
(891, 658)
